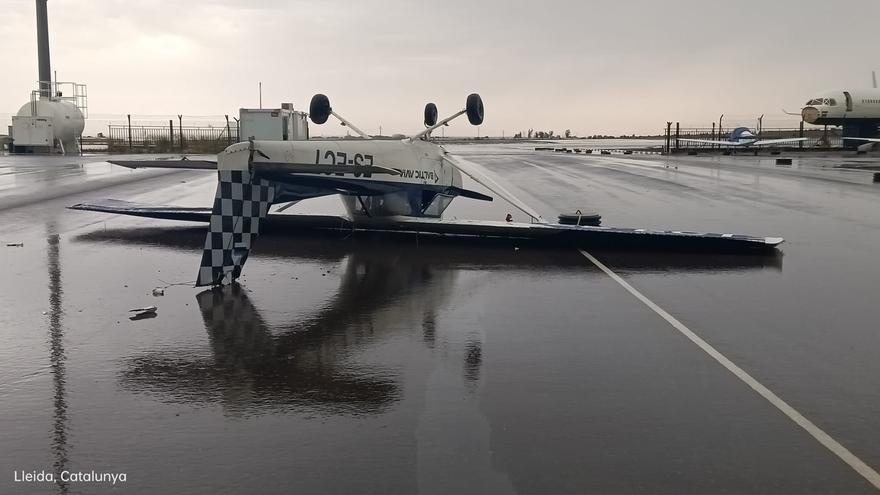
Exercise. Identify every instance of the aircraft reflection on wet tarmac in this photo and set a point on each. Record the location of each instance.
(258, 366)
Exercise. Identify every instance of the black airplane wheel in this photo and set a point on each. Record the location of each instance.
(474, 109)
(430, 115)
(319, 109)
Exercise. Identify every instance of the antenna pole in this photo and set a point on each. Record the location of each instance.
(261, 94)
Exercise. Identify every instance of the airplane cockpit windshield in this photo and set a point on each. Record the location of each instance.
(822, 101)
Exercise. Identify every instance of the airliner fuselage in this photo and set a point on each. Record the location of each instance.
(839, 107)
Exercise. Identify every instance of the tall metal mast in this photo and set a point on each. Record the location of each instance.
(43, 50)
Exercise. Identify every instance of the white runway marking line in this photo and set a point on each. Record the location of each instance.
(831, 444)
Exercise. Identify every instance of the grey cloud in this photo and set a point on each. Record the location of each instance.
(608, 67)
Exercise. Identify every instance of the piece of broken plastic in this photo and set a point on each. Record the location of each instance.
(143, 313)
(148, 309)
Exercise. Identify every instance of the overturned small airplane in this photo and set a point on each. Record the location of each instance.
(386, 185)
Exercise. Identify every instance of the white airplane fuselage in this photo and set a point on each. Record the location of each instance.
(837, 107)
(420, 188)
(743, 137)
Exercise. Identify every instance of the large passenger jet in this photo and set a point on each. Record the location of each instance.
(846, 107)
(839, 107)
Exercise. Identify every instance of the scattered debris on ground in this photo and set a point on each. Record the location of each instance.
(143, 313)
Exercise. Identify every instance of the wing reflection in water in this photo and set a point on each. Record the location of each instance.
(389, 288)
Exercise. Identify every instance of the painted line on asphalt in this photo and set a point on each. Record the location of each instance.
(825, 439)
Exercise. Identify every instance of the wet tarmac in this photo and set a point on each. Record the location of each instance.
(354, 365)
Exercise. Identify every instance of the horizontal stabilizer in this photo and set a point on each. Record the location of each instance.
(181, 164)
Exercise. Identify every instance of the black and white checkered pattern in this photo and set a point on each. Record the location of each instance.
(230, 316)
(239, 205)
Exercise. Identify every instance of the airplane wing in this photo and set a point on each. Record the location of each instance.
(870, 140)
(182, 164)
(706, 141)
(540, 233)
(163, 212)
(766, 142)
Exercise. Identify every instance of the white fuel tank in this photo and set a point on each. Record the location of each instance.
(67, 121)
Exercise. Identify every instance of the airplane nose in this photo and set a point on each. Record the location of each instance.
(810, 114)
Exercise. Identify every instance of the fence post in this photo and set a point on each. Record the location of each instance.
(180, 126)
(129, 131)
(171, 132)
(228, 136)
(800, 135)
(676, 135)
(713, 134)
(668, 131)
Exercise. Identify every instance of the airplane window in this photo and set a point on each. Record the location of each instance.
(832, 102)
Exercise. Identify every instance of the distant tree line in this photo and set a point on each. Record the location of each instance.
(533, 134)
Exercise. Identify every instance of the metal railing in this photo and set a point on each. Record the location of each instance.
(816, 138)
(71, 92)
(171, 137)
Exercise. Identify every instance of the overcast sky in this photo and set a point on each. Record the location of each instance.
(592, 67)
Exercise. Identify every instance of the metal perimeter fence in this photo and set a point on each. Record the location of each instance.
(170, 138)
(816, 139)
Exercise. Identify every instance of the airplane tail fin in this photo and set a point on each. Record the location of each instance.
(241, 202)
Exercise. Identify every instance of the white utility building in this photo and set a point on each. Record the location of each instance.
(54, 118)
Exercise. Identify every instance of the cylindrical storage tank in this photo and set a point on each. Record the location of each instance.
(67, 121)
